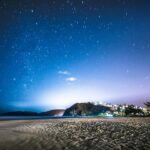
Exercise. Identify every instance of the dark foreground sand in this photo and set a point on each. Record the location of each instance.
(80, 134)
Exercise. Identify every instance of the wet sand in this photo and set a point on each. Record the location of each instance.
(78, 134)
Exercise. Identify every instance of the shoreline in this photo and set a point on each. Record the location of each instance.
(6, 118)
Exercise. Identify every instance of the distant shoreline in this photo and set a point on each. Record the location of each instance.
(7, 118)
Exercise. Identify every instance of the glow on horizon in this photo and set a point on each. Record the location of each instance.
(64, 97)
(65, 93)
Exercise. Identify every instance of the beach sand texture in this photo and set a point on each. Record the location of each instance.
(78, 134)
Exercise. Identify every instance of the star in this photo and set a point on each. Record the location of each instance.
(14, 79)
(36, 23)
(25, 85)
(32, 10)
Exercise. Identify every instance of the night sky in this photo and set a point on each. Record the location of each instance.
(54, 53)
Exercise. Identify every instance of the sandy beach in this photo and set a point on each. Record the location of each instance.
(82, 134)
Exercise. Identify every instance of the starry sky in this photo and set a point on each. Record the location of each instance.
(54, 53)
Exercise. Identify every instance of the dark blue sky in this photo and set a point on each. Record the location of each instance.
(58, 52)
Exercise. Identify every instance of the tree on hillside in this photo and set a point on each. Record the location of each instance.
(147, 104)
(131, 110)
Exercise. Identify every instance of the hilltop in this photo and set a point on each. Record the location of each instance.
(86, 109)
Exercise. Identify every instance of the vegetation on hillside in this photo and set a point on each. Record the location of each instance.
(86, 109)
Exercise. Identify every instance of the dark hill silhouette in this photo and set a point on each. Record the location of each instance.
(78, 109)
(55, 112)
(85, 109)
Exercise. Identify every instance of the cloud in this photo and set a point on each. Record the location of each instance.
(64, 72)
(71, 79)
(67, 73)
